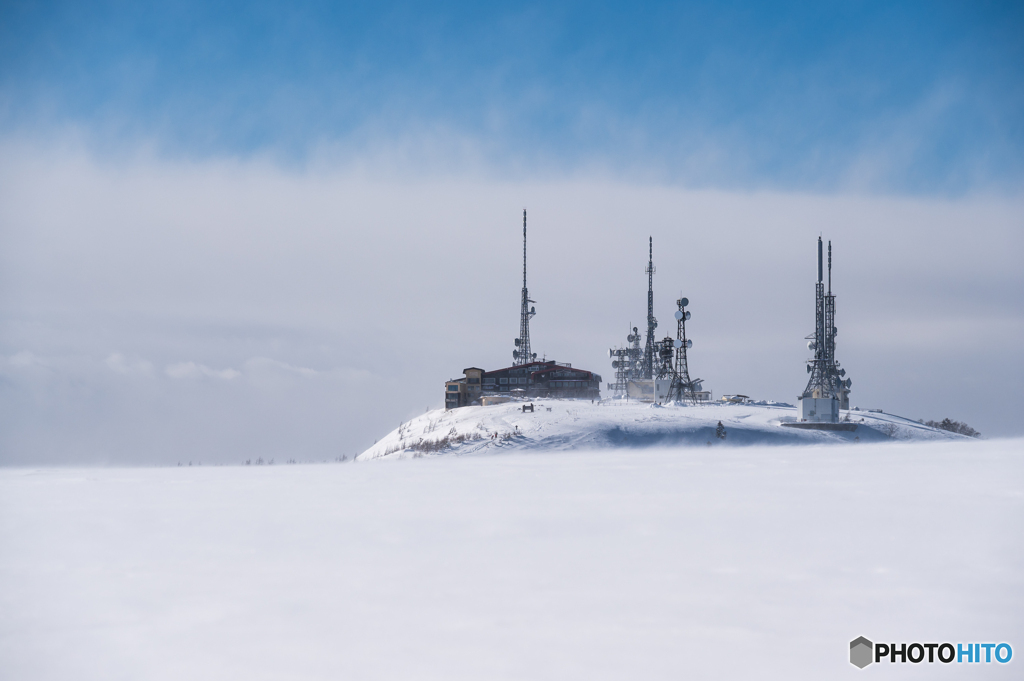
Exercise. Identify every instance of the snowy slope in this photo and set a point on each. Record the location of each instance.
(576, 424)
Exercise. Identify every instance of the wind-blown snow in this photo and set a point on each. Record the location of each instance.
(655, 563)
(576, 424)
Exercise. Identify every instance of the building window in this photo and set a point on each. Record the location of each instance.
(489, 381)
(474, 380)
(453, 388)
(503, 381)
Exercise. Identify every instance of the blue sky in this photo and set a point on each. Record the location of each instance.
(922, 97)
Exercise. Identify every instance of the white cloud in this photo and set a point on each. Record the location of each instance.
(120, 364)
(26, 359)
(193, 370)
(265, 363)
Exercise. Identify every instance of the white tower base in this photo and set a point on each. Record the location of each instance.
(819, 410)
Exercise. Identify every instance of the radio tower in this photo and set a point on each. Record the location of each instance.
(682, 388)
(826, 381)
(522, 354)
(652, 323)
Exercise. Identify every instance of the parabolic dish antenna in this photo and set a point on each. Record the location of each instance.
(678, 343)
(684, 301)
(679, 315)
(687, 314)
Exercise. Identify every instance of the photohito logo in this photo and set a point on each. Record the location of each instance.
(863, 652)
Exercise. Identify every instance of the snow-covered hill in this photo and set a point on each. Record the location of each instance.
(575, 424)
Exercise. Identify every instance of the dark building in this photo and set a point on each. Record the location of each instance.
(534, 379)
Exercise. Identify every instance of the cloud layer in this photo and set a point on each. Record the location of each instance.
(219, 310)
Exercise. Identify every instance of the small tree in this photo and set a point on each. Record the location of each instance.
(720, 431)
(954, 427)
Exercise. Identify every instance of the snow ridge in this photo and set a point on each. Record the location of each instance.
(558, 424)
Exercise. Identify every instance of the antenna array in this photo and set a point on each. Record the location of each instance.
(658, 360)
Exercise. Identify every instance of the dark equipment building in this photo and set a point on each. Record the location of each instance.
(534, 380)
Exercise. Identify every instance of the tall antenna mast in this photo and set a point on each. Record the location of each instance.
(522, 353)
(652, 323)
(826, 380)
(830, 267)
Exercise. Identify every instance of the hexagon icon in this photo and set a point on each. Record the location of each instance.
(861, 651)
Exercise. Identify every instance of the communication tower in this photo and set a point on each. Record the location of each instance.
(683, 388)
(827, 391)
(627, 362)
(650, 351)
(522, 353)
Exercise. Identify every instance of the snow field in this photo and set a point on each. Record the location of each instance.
(660, 563)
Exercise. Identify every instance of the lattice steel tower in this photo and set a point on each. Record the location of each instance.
(682, 388)
(650, 351)
(826, 381)
(522, 353)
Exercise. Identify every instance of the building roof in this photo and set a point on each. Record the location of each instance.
(561, 368)
(537, 366)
